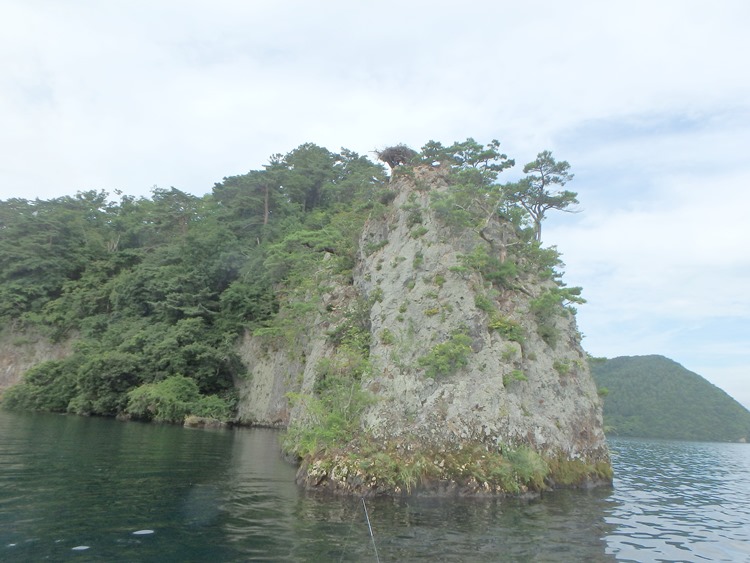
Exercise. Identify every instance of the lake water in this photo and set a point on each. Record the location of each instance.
(89, 489)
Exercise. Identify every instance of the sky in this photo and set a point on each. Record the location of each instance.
(648, 101)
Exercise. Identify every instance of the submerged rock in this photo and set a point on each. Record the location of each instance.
(193, 421)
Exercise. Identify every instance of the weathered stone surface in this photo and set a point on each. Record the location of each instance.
(508, 393)
(550, 411)
(22, 350)
(276, 368)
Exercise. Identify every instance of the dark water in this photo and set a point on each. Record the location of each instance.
(79, 489)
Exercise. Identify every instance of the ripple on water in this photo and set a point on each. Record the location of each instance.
(228, 496)
(680, 501)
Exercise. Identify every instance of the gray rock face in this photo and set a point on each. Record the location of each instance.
(274, 371)
(508, 392)
(20, 351)
(262, 394)
(454, 359)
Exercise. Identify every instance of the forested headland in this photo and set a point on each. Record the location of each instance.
(471, 315)
(655, 397)
(155, 290)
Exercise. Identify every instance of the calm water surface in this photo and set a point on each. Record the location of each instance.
(87, 489)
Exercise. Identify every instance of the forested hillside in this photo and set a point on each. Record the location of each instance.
(155, 291)
(655, 397)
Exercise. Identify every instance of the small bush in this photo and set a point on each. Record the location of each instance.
(491, 268)
(172, 399)
(515, 375)
(546, 308)
(348, 364)
(562, 367)
(211, 406)
(414, 218)
(386, 337)
(447, 358)
(569, 472)
(331, 418)
(48, 386)
(508, 328)
(418, 260)
(509, 352)
(373, 247)
(484, 303)
(386, 196)
(528, 466)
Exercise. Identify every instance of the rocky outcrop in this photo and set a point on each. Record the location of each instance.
(457, 362)
(274, 370)
(279, 366)
(518, 390)
(22, 350)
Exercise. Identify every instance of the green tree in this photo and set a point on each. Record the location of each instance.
(48, 386)
(474, 197)
(468, 155)
(539, 191)
(249, 201)
(172, 399)
(43, 244)
(103, 381)
(173, 211)
(307, 172)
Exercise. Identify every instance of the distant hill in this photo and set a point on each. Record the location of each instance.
(655, 397)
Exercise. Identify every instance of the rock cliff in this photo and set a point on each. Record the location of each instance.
(22, 350)
(474, 363)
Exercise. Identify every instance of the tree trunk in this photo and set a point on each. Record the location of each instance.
(265, 207)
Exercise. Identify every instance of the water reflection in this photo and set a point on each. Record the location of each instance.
(226, 495)
(267, 516)
(69, 482)
(566, 525)
(258, 496)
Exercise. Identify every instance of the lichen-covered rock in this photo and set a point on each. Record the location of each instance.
(508, 392)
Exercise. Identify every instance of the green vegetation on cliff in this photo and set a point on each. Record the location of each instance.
(655, 397)
(157, 290)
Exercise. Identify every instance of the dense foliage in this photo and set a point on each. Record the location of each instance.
(155, 291)
(654, 397)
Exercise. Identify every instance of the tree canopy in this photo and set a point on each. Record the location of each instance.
(540, 190)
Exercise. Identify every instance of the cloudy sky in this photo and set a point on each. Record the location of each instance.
(648, 101)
